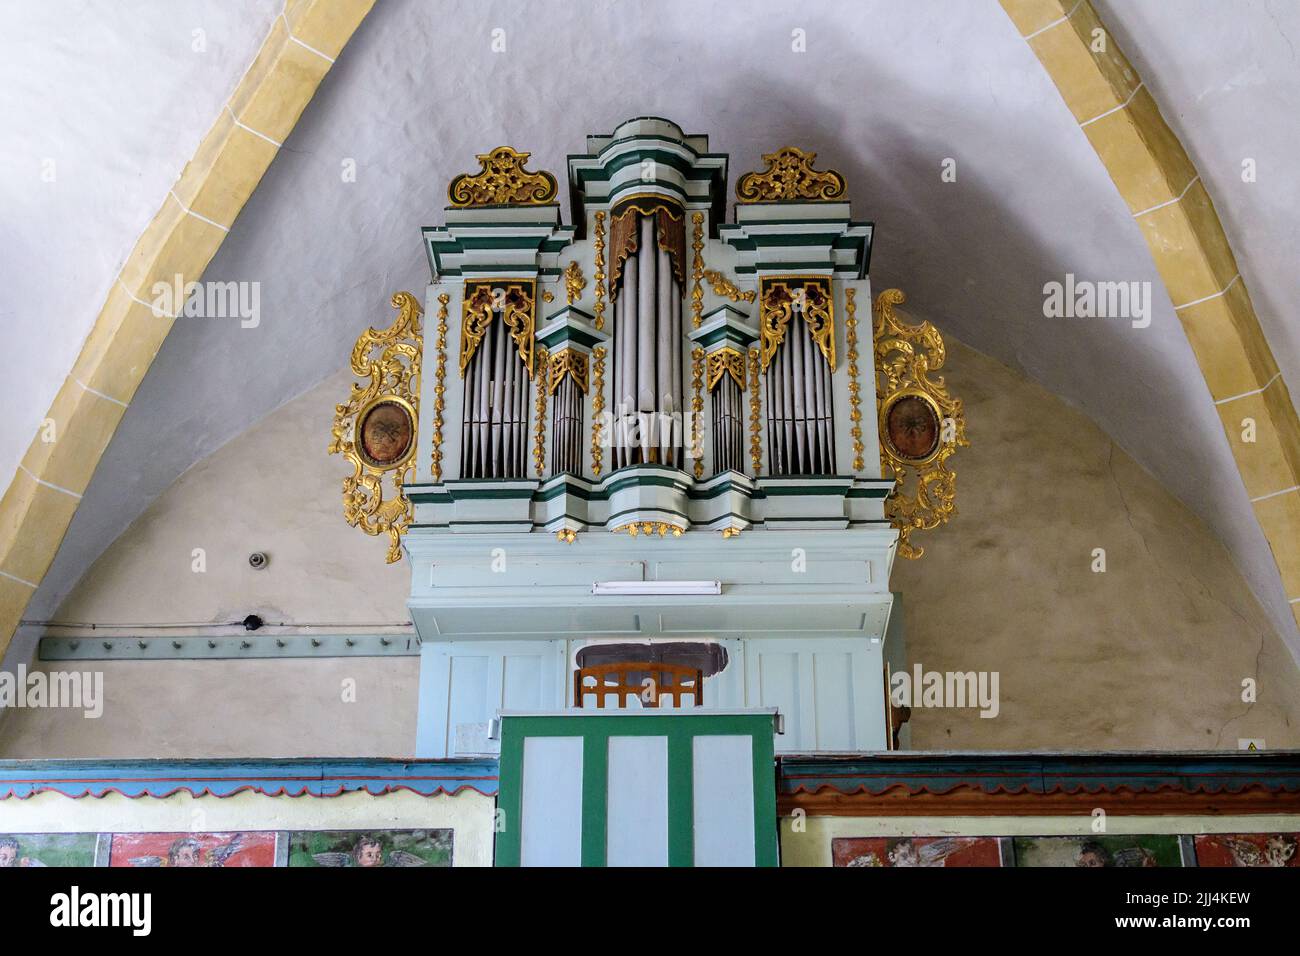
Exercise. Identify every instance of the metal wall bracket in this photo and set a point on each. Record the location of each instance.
(230, 647)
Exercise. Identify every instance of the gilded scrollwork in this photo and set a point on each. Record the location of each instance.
(567, 362)
(778, 300)
(483, 300)
(725, 287)
(790, 177)
(726, 361)
(921, 423)
(502, 180)
(390, 360)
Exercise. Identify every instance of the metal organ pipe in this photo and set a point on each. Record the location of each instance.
(645, 334)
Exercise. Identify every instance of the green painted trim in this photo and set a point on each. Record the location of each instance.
(681, 800)
(595, 800)
(510, 801)
(766, 836)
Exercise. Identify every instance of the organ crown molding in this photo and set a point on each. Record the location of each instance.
(790, 177)
(502, 181)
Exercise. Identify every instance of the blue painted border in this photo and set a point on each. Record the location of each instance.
(222, 778)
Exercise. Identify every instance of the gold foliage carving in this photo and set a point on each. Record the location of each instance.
(598, 243)
(790, 177)
(502, 181)
(440, 385)
(778, 299)
(724, 286)
(755, 409)
(906, 356)
(697, 269)
(855, 381)
(726, 361)
(597, 408)
(514, 300)
(539, 431)
(390, 360)
(697, 411)
(648, 528)
(574, 282)
(567, 362)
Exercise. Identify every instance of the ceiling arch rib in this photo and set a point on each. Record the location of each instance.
(195, 217)
(1164, 192)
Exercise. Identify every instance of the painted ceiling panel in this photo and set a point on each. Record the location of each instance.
(884, 92)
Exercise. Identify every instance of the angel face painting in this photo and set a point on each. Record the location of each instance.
(380, 848)
(19, 850)
(1099, 851)
(916, 851)
(184, 850)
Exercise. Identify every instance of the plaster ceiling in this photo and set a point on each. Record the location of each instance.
(885, 92)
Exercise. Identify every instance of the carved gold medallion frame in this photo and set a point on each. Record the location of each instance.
(390, 359)
(906, 355)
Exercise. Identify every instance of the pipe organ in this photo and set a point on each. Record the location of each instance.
(642, 446)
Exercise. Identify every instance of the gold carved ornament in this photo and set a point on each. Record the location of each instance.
(697, 269)
(440, 385)
(597, 407)
(390, 360)
(539, 432)
(855, 382)
(790, 177)
(697, 410)
(648, 528)
(574, 282)
(927, 417)
(725, 287)
(755, 408)
(726, 361)
(598, 242)
(777, 301)
(514, 299)
(502, 181)
(567, 362)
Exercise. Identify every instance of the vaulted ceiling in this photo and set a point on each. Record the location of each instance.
(885, 92)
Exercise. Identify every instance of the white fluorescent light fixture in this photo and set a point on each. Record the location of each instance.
(656, 588)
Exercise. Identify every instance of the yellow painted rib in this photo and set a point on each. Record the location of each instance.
(1171, 206)
(180, 240)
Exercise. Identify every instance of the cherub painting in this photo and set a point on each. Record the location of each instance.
(184, 850)
(46, 849)
(366, 848)
(1248, 849)
(915, 851)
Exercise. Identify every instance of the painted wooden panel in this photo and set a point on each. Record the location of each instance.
(723, 800)
(829, 690)
(551, 813)
(833, 700)
(637, 809)
(463, 686)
